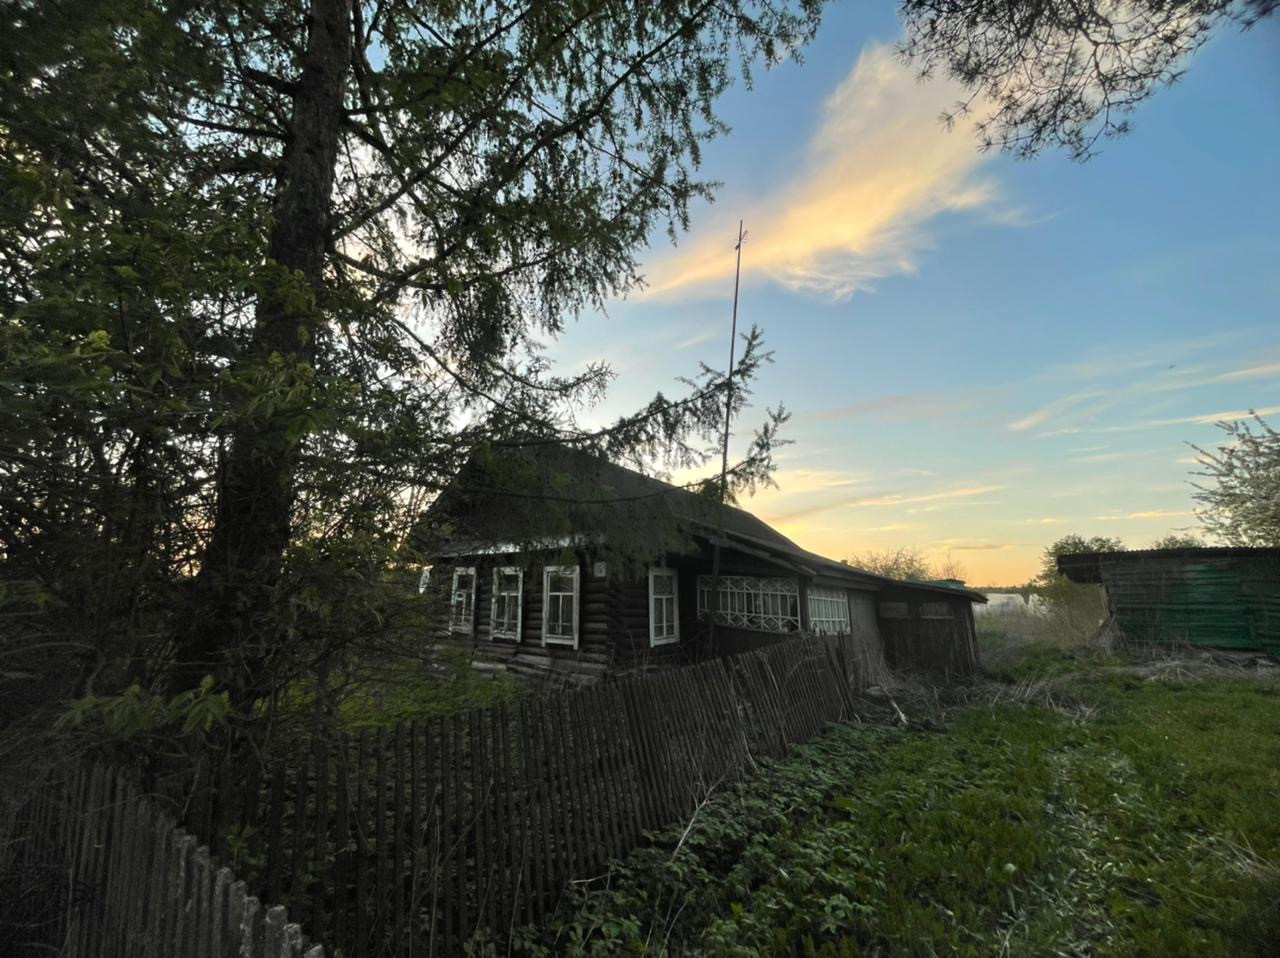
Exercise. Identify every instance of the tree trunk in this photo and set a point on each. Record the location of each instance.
(232, 631)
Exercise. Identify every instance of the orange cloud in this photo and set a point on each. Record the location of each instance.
(876, 170)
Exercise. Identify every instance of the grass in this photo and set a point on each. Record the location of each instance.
(1015, 644)
(378, 694)
(1086, 804)
(442, 683)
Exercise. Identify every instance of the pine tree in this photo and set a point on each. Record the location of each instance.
(270, 271)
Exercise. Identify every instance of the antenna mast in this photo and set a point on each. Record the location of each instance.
(724, 448)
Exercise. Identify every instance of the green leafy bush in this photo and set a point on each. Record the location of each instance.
(138, 711)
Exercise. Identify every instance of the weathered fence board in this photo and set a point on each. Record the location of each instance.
(527, 797)
(410, 842)
(130, 882)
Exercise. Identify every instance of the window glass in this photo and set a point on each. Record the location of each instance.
(560, 602)
(828, 610)
(462, 601)
(663, 620)
(505, 610)
(763, 604)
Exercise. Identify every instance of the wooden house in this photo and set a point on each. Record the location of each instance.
(555, 561)
(1225, 598)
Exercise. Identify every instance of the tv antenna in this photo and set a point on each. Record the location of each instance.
(724, 446)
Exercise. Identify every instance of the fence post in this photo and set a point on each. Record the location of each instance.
(398, 845)
(320, 855)
(273, 933)
(529, 798)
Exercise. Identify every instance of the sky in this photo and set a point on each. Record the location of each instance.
(980, 354)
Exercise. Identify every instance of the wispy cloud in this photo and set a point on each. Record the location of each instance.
(955, 504)
(816, 489)
(966, 545)
(1136, 380)
(797, 481)
(1017, 216)
(1054, 409)
(964, 492)
(1145, 514)
(1166, 355)
(1208, 419)
(1100, 457)
(906, 406)
(1192, 381)
(878, 168)
(882, 500)
(699, 339)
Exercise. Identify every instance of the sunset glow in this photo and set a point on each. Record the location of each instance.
(981, 354)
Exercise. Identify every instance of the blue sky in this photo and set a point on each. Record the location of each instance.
(980, 354)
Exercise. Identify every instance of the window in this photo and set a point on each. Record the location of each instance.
(935, 610)
(462, 601)
(560, 605)
(664, 624)
(504, 609)
(752, 602)
(828, 610)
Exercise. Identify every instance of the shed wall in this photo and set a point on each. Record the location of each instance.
(915, 639)
(1218, 601)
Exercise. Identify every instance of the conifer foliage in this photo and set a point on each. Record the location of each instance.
(269, 271)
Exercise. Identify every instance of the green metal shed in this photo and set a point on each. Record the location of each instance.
(1218, 598)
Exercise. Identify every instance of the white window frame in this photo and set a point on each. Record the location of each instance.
(573, 572)
(468, 626)
(498, 573)
(824, 600)
(654, 638)
(755, 603)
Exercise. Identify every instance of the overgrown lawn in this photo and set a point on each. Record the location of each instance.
(1139, 818)
(375, 694)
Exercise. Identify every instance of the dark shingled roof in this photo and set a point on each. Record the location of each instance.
(587, 495)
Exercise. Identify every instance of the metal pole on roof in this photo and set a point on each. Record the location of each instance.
(724, 448)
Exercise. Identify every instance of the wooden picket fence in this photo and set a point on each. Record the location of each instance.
(414, 840)
(109, 874)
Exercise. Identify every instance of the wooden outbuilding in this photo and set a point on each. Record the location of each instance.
(574, 565)
(1223, 598)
